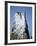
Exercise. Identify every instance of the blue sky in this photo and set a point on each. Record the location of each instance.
(28, 10)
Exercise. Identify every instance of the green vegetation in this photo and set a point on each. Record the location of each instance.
(13, 35)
